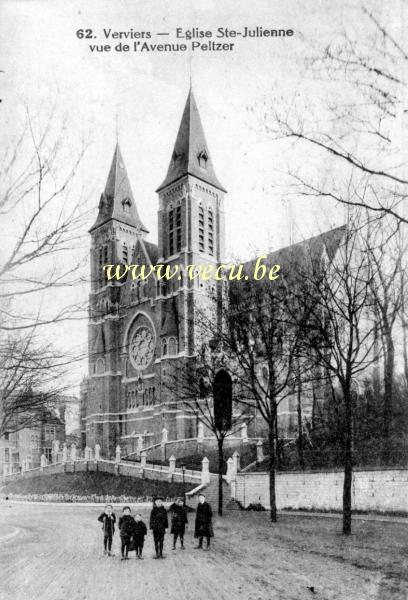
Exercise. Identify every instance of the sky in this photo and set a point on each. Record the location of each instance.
(139, 98)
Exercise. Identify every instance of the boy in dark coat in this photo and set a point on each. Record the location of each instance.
(139, 532)
(158, 524)
(108, 520)
(126, 528)
(203, 523)
(179, 521)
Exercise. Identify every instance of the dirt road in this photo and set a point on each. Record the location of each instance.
(57, 555)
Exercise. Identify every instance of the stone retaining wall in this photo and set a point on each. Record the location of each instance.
(372, 490)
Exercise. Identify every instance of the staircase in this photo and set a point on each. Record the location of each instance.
(211, 494)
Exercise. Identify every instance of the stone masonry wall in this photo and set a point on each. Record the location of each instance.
(375, 490)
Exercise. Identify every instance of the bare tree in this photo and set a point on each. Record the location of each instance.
(204, 389)
(30, 381)
(42, 215)
(262, 343)
(355, 125)
(43, 224)
(386, 251)
(341, 332)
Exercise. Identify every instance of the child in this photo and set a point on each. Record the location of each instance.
(126, 528)
(203, 524)
(108, 520)
(159, 524)
(139, 532)
(179, 521)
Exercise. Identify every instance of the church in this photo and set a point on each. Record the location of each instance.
(136, 328)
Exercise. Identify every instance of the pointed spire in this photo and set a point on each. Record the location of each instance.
(117, 201)
(191, 154)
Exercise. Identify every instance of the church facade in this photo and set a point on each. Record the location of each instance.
(137, 328)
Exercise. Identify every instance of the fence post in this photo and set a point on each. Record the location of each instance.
(244, 433)
(205, 471)
(172, 464)
(139, 447)
(200, 437)
(97, 452)
(237, 461)
(230, 470)
(259, 451)
(64, 453)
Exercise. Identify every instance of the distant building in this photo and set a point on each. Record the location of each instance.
(22, 450)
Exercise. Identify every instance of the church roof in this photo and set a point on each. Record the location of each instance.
(117, 201)
(191, 155)
(301, 254)
(152, 250)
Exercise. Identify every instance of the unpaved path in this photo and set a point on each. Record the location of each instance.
(57, 555)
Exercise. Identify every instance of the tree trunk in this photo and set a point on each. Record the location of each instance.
(300, 428)
(405, 349)
(272, 466)
(389, 361)
(348, 460)
(220, 474)
(278, 457)
(313, 406)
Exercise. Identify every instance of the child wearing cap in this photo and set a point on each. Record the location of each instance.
(158, 524)
(126, 528)
(139, 532)
(203, 524)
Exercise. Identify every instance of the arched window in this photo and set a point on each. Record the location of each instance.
(210, 232)
(171, 231)
(142, 287)
(178, 229)
(126, 204)
(202, 159)
(201, 228)
(164, 347)
(100, 366)
(125, 253)
(172, 346)
(222, 393)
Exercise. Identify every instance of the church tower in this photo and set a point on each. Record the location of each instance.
(113, 238)
(191, 232)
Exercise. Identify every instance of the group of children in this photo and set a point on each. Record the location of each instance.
(133, 530)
